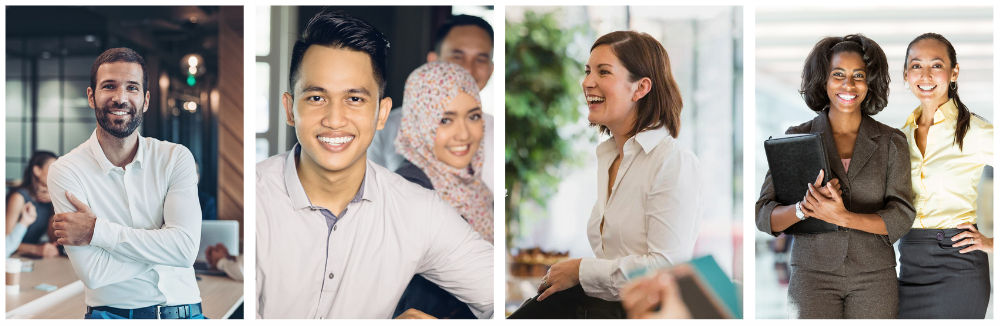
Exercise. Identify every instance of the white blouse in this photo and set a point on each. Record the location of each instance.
(650, 218)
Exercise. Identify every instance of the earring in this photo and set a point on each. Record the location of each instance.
(954, 85)
(906, 85)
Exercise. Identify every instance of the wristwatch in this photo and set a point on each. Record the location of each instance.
(798, 211)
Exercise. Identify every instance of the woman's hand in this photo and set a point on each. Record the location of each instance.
(561, 276)
(834, 183)
(830, 210)
(972, 237)
(654, 297)
(28, 214)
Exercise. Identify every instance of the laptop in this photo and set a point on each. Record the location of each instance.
(214, 232)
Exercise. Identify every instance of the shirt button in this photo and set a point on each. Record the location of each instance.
(335, 227)
(331, 276)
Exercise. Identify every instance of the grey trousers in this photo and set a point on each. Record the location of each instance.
(843, 293)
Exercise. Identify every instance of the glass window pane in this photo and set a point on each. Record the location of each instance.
(15, 98)
(75, 99)
(263, 99)
(79, 66)
(15, 140)
(14, 171)
(48, 137)
(49, 67)
(263, 30)
(48, 98)
(14, 67)
(75, 133)
(262, 145)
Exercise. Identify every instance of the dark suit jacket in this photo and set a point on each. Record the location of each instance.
(878, 182)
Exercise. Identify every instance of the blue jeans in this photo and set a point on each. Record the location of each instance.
(97, 314)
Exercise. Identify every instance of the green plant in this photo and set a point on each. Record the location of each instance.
(542, 93)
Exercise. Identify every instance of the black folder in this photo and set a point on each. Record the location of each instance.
(795, 160)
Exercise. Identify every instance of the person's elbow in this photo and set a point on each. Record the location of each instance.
(96, 281)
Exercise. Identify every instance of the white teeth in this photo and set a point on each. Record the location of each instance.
(458, 148)
(119, 112)
(593, 99)
(926, 88)
(846, 97)
(336, 140)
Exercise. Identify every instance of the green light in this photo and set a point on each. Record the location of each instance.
(190, 80)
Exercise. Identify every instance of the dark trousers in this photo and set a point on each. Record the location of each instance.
(431, 299)
(842, 293)
(936, 281)
(572, 303)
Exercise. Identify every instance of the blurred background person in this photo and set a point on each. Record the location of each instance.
(31, 201)
(440, 137)
(468, 42)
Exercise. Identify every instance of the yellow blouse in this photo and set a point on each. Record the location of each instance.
(945, 178)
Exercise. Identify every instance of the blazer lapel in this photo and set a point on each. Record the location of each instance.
(865, 145)
(821, 124)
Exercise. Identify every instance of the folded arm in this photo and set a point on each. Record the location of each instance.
(176, 242)
(94, 266)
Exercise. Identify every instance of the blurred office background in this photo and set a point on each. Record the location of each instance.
(196, 102)
(550, 160)
(784, 37)
(410, 30)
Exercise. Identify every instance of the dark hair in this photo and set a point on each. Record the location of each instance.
(964, 116)
(118, 55)
(28, 181)
(643, 56)
(460, 20)
(817, 69)
(341, 31)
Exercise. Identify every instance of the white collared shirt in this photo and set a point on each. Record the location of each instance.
(651, 218)
(148, 223)
(360, 267)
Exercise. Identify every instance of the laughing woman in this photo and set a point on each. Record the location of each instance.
(945, 272)
(649, 187)
(849, 273)
(440, 135)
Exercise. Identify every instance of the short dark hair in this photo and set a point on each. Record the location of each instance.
(644, 56)
(28, 181)
(817, 69)
(341, 31)
(460, 20)
(119, 55)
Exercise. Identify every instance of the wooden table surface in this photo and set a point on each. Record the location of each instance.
(220, 295)
(55, 271)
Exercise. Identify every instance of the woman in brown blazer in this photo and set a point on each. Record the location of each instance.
(849, 273)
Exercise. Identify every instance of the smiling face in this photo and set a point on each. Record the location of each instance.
(929, 72)
(460, 131)
(846, 84)
(610, 95)
(470, 47)
(119, 100)
(335, 109)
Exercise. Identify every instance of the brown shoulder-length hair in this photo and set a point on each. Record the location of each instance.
(643, 56)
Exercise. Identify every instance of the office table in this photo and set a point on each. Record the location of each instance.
(220, 295)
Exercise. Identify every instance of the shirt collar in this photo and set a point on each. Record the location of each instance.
(947, 111)
(298, 194)
(102, 159)
(647, 140)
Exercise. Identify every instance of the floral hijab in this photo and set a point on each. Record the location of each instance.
(428, 91)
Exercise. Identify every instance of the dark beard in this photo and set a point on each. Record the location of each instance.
(119, 130)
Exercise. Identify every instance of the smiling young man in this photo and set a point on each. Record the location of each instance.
(337, 236)
(468, 42)
(127, 206)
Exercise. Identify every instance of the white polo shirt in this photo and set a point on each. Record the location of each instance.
(148, 223)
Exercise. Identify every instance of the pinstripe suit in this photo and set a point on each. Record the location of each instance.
(850, 273)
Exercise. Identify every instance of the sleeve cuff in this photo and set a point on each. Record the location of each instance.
(104, 234)
(231, 268)
(593, 274)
